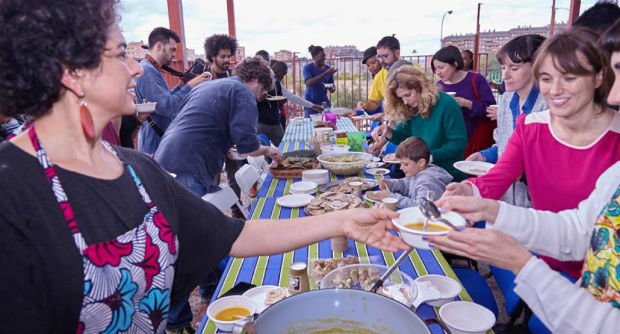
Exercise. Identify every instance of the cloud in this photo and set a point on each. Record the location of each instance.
(294, 25)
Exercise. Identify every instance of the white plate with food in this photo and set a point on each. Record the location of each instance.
(370, 196)
(266, 295)
(477, 168)
(340, 111)
(276, 98)
(295, 200)
(146, 108)
(390, 158)
(378, 171)
(375, 164)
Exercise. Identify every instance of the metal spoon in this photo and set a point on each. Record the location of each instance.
(431, 211)
(390, 270)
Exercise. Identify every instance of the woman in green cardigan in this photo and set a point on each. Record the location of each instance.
(414, 106)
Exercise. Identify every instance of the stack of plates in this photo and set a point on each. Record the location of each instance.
(303, 187)
(318, 176)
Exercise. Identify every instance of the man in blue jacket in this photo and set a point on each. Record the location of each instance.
(152, 87)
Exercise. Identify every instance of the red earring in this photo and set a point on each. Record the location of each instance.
(88, 126)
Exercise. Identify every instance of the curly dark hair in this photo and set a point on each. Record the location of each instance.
(315, 50)
(41, 38)
(255, 68)
(215, 43)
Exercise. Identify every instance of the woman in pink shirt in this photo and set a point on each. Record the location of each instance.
(563, 150)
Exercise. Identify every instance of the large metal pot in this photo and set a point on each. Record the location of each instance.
(341, 310)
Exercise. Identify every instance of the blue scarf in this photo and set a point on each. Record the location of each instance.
(527, 106)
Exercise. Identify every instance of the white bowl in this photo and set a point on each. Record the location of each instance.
(466, 317)
(303, 187)
(334, 149)
(447, 287)
(227, 302)
(148, 107)
(345, 168)
(414, 237)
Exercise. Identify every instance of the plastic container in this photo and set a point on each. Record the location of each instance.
(398, 286)
(466, 317)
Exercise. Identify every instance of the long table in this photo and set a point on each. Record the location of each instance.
(302, 129)
(274, 270)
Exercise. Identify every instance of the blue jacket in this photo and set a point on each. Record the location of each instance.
(152, 87)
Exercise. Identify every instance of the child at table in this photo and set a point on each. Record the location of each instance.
(422, 178)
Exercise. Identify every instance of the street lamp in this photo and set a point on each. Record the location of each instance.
(441, 34)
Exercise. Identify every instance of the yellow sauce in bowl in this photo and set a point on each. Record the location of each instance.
(232, 313)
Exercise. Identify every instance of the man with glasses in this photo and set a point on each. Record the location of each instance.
(213, 117)
(388, 52)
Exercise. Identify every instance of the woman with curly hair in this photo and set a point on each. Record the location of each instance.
(93, 237)
(415, 107)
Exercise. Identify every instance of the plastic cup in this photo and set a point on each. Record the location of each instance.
(390, 203)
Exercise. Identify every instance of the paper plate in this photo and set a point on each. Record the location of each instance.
(391, 159)
(477, 168)
(378, 171)
(340, 111)
(295, 200)
(276, 98)
(370, 199)
(258, 295)
(303, 187)
(148, 107)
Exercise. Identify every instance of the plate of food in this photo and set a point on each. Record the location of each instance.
(146, 108)
(378, 171)
(375, 164)
(332, 201)
(477, 168)
(266, 295)
(390, 158)
(340, 111)
(373, 196)
(276, 98)
(295, 200)
(343, 186)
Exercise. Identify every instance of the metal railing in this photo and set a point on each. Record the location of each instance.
(352, 80)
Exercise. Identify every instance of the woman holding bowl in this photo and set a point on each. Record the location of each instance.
(551, 147)
(95, 238)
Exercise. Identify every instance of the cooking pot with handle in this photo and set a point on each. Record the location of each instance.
(338, 311)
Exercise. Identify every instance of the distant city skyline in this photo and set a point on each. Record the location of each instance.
(415, 23)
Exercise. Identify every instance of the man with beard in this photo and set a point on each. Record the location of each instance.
(213, 117)
(388, 52)
(152, 87)
(219, 50)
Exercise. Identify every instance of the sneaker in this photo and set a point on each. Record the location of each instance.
(185, 330)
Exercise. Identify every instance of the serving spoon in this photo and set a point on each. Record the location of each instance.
(390, 270)
(431, 212)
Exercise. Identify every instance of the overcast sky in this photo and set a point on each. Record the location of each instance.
(294, 25)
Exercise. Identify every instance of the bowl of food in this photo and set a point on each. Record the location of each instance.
(226, 311)
(447, 288)
(466, 317)
(410, 223)
(334, 149)
(345, 163)
(398, 286)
